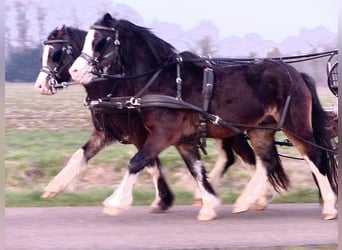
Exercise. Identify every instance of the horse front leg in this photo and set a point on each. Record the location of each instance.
(122, 198)
(76, 163)
(210, 201)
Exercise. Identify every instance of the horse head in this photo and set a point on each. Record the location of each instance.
(61, 48)
(119, 46)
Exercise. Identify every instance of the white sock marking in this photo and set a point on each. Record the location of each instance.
(122, 196)
(328, 196)
(255, 188)
(68, 173)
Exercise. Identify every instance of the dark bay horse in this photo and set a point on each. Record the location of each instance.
(61, 48)
(258, 98)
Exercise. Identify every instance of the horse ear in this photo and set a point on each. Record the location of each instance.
(63, 29)
(107, 17)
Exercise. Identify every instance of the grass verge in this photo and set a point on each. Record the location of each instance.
(95, 197)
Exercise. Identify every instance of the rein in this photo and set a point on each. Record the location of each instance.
(225, 62)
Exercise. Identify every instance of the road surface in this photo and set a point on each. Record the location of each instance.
(83, 228)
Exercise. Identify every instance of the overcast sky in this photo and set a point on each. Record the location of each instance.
(271, 19)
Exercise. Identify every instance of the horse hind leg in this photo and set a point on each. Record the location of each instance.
(163, 196)
(246, 154)
(322, 162)
(226, 158)
(323, 169)
(244, 151)
(268, 168)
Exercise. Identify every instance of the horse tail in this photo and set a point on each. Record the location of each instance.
(328, 164)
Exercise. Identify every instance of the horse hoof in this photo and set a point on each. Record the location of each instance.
(206, 217)
(157, 210)
(113, 211)
(197, 202)
(239, 209)
(49, 194)
(259, 207)
(329, 216)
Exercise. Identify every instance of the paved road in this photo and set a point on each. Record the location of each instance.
(88, 228)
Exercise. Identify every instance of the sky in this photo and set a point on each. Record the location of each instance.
(271, 19)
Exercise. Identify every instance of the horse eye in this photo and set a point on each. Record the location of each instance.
(56, 56)
(99, 45)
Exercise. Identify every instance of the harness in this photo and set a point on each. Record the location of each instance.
(140, 100)
(55, 72)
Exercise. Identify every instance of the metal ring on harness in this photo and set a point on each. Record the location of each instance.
(134, 102)
(333, 79)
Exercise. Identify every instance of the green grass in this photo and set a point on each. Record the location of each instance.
(90, 197)
(95, 197)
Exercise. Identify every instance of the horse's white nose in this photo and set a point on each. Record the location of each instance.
(37, 86)
(73, 70)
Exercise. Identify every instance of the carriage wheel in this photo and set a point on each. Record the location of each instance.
(333, 79)
(332, 128)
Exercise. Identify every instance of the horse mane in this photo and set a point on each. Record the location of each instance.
(195, 59)
(161, 49)
(53, 34)
(75, 34)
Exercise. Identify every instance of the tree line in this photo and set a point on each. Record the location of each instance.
(22, 61)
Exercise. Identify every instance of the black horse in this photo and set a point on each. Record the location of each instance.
(61, 49)
(258, 98)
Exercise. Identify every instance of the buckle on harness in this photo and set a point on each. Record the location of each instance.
(133, 102)
(216, 120)
(52, 84)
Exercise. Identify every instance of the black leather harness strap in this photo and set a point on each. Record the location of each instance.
(207, 92)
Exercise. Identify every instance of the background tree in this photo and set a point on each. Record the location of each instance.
(41, 17)
(22, 23)
(23, 65)
(205, 47)
(275, 52)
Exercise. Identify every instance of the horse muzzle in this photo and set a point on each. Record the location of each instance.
(81, 71)
(43, 84)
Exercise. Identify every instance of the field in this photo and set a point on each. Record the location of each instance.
(43, 131)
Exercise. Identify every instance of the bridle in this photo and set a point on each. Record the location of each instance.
(103, 54)
(55, 73)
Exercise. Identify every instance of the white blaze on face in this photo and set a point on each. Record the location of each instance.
(80, 69)
(42, 84)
